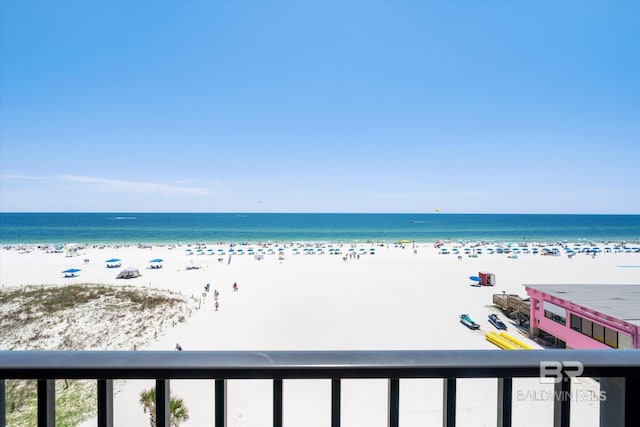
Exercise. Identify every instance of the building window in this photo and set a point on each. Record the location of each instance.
(625, 341)
(598, 332)
(587, 327)
(555, 312)
(611, 337)
(576, 323)
(601, 333)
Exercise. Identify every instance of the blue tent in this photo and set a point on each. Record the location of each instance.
(71, 272)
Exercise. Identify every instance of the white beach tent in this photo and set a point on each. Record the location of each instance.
(129, 273)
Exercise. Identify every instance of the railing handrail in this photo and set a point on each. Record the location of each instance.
(308, 364)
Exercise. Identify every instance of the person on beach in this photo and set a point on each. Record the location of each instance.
(215, 294)
(206, 288)
(216, 305)
(235, 286)
(178, 347)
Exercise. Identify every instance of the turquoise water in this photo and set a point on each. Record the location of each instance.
(29, 228)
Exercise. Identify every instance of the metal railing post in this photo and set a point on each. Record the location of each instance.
(277, 402)
(46, 403)
(3, 404)
(393, 411)
(505, 390)
(619, 399)
(335, 402)
(631, 399)
(163, 403)
(449, 402)
(105, 403)
(562, 402)
(221, 403)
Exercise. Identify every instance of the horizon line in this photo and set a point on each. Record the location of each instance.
(315, 213)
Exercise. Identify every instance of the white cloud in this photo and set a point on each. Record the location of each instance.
(20, 177)
(136, 186)
(121, 186)
(431, 194)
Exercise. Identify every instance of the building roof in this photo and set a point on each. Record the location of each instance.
(618, 301)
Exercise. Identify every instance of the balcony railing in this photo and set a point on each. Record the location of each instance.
(617, 370)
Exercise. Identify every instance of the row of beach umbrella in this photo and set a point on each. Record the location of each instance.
(271, 251)
(544, 250)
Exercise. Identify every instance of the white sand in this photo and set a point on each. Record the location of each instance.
(393, 300)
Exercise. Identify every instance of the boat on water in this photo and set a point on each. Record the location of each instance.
(468, 322)
(495, 321)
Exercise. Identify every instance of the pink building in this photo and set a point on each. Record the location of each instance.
(586, 316)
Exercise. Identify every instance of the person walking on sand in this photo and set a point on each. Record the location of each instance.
(178, 347)
(235, 287)
(215, 294)
(216, 305)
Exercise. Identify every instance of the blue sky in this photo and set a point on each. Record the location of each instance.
(258, 106)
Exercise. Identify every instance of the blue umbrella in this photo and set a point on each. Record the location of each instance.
(156, 260)
(112, 260)
(474, 278)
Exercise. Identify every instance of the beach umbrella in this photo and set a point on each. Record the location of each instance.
(71, 272)
(156, 260)
(112, 260)
(474, 278)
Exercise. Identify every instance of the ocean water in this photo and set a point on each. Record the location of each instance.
(58, 228)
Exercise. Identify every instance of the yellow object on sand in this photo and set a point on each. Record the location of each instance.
(506, 341)
(515, 341)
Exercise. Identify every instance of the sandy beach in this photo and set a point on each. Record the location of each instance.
(396, 299)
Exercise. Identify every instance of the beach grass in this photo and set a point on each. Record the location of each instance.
(54, 317)
(75, 402)
(51, 317)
